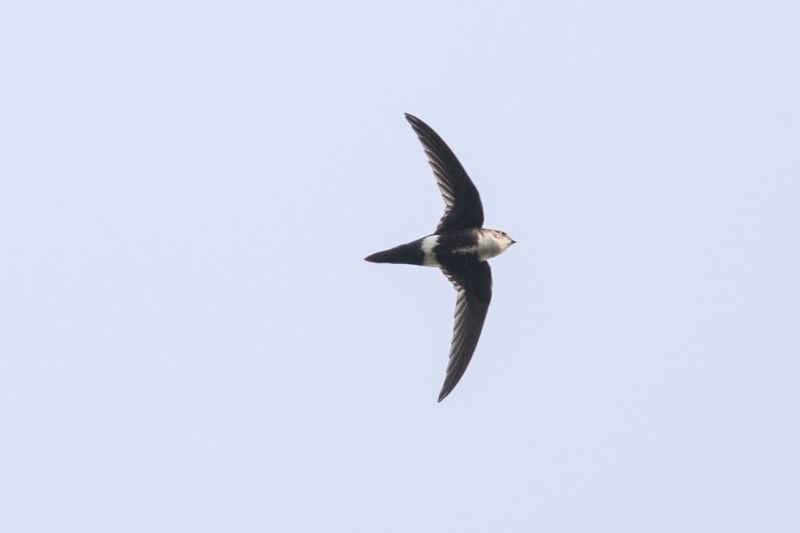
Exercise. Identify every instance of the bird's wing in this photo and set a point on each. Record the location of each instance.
(474, 286)
(463, 208)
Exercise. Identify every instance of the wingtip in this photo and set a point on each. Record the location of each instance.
(443, 394)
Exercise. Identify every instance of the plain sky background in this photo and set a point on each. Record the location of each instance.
(190, 339)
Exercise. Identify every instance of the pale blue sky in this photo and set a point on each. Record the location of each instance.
(190, 339)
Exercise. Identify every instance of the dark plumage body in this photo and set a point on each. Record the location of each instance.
(443, 251)
(460, 247)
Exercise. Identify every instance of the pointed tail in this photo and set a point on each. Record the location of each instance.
(405, 254)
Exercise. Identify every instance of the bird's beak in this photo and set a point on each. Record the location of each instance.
(513, 241)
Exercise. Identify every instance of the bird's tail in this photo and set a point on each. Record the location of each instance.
(405, 254)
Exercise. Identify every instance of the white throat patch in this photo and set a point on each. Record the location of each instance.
(491, 243)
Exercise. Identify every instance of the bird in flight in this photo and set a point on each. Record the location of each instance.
(460, 247)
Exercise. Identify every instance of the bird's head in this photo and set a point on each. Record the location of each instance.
(502, 239)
